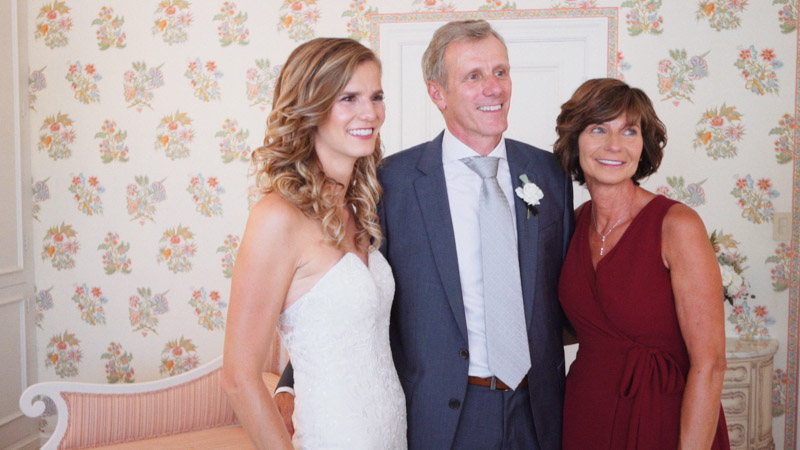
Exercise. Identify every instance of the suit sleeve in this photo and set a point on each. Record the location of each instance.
(287, 377)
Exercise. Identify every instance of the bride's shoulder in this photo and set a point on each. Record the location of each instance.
(277, 217)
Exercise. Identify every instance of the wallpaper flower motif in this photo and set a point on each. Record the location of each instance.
(731, 265)
(229, 250)
(676, 76)
(758, 70)
(233, 145)
(142, 198)
(53, 24)
(433, 6)
(60, 245)
(178, 356)
(90, 303)
(64, 353)
(56, 134)
(37, 82)
(112, 142)
(643, 17)
(299, 19)
(692, 195)
(622, 66)
(175, 136)
(254, 194)
(118, 368)
(205, 195)
(208, 309)
(177, 248)
(755, 199)
(87, 193)
(785, 144)
(721, 14)
(109, 29)
(41, 193)
(496, 4)
(139, 84)
(751, 324)
(44, 302)
(115, 258)
(787, 16)
(144, 309)
(171, 19)
(780, 380)
(231, 29)
(260, 83)
(720, 128)
(204, 79)
(781, 274)
(575, 4)
(84, 82)
(358, 25)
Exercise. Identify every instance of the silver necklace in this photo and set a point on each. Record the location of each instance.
(604, 236)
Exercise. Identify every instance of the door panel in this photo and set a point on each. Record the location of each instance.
(16, 270)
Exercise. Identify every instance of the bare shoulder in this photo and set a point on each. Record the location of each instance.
(680, 220)
(684, 236)
(275, 213)
(275, 222)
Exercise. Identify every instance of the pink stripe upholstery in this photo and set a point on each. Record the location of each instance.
(101, 419)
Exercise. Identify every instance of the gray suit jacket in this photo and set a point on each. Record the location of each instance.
(428, 324)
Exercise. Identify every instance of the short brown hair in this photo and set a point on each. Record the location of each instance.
(433, 67)
(601, 100)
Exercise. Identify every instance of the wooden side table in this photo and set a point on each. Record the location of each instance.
(747, 393)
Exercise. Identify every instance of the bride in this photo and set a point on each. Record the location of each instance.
(309, 264)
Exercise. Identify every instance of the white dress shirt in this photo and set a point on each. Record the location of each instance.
(463, 193)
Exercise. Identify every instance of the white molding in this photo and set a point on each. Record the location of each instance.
(15, 68)
(10, 418)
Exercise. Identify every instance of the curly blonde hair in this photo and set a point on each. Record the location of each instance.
(310, 81)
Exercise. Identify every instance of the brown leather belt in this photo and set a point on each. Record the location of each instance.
(494, 383)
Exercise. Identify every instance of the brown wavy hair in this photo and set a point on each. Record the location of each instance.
(601, 100)
(287, 164)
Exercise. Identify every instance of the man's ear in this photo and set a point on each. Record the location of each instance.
(436, 93)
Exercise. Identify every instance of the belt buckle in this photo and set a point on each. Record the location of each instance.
(493, 384)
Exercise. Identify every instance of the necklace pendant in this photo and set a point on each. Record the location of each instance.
(602, 244)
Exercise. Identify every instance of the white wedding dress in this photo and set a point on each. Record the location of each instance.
(348, 395)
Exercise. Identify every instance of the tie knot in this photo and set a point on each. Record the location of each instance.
(484, 166)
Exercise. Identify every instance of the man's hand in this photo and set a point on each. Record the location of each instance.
(285, 402)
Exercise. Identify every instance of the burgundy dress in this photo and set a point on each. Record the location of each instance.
(625, 387)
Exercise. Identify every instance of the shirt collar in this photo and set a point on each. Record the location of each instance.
(454, 150)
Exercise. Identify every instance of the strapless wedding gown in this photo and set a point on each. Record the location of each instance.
(348, 395)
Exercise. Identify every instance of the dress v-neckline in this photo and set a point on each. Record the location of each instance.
(588, 249)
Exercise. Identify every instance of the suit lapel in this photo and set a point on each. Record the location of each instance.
(431, 190)
(527, 227)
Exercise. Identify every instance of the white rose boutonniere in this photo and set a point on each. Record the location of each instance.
(529, 193)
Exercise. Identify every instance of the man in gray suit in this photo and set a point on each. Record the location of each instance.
(430, 216)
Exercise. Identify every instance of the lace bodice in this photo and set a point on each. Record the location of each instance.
(347, 391)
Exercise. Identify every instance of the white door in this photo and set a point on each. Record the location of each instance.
(549, 57)
(16, 272)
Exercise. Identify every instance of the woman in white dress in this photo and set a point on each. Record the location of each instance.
(308, 263)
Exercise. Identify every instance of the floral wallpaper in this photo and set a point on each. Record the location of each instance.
(144, 116)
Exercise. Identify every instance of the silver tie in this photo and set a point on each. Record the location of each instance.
(506, 336)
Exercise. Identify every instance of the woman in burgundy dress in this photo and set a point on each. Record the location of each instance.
(640, 285)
